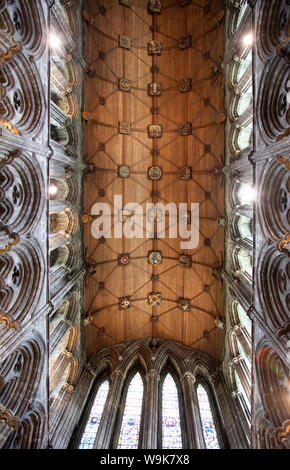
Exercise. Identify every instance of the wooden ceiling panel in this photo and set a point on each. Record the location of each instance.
(187, 301)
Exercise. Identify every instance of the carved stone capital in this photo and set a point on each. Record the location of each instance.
(284, 245)
(67, 354)
(236, 394)
(9, 418)
(215, 376)
(152, 374)
(8, 320)
(235, 361)
(68, 388)
(284, 331)
(189, 376)
(90, 369)
(117, 373)
(283, 432)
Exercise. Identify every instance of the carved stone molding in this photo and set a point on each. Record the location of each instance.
(117, 373)
(152, 374)
(283, 432)
(189, 376)
(9, 418)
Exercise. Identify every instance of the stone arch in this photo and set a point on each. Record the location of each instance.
(63, 222)
(22, 185)
(273, 281)
(23, 278)
(21, 372)
(274, 384)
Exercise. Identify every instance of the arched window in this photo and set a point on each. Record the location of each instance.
(242, 264)
(245, 63)
(171, 429)
(241, 389)
(244, 354)
(89, 435)
(244, 225)
(207, 420)
(244, 319)
(245, 194)
(130, 428)
(245, 101)
(240, 367)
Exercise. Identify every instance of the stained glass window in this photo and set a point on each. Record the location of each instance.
(171, 430)
(93, 422)
(129, 434)
(207, 421)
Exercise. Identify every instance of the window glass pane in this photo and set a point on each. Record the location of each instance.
(241, 389)
(245, 227)
(207, 422)
(129, 434)
(244, 319)
(244, 354)
(244, 65)
(245, 261)
(246, 194)
(243, 8)
(245, 101)
(171, 431)
(245, 137)
(91, 428)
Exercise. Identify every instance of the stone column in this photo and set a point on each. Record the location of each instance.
(232, 433)
(59, 407)
(9, 423)
(5, 432)
(107, 426)
(192, 422)
(150, 423)
(71, 426)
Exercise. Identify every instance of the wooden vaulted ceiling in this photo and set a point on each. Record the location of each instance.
(191, 34)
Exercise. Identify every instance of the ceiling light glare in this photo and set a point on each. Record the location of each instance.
(54, 40)
(248, 39)
(52, 190)
(252, 194)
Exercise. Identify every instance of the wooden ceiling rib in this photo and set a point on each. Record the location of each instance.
(106, 148)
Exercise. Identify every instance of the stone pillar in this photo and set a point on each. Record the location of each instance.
(243, 416)
(59, 409)
(70, 424)
(232, 433)
(192, 423)
(9, 423)
(5, 432)
(150, 423)
(108, 423)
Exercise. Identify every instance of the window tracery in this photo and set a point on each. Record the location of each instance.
(170, 397)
